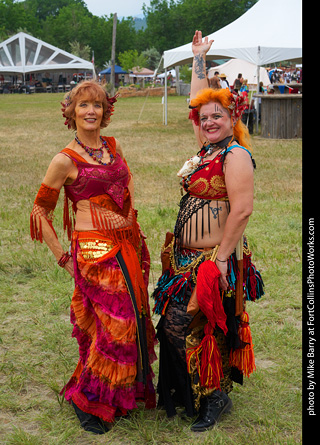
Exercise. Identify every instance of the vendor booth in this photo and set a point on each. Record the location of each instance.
(30, 65)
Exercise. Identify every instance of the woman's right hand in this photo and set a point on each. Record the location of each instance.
(198, 45)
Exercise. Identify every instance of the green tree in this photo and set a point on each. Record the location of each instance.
(83, 51)
(185, 73)
(171, 24)
(100, 38)
(13, 16)
(130, 59)
(51, 8)
(153, 58)
(69, 25)
(161, 30)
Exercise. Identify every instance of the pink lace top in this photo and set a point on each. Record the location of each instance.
(94, 180)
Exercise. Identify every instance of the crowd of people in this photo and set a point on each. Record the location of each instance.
(207, 270)
(240, 86)
(278, 75)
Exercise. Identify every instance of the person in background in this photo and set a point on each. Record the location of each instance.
(244, 87)
(238, 83)
(261, 88)
(108, 259)
(214, 82)
(270, 89)
(223, 81)
(205, 339)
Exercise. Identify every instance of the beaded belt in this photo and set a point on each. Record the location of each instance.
(188, 259)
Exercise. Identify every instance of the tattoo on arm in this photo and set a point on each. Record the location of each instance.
(200, 66)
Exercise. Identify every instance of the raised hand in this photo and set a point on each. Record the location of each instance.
(200, 46)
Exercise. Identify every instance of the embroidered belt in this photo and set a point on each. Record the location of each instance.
(188, 259)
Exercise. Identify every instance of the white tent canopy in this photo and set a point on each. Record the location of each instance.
(270, 31)
(22, 54)
(163, 75)
(235, 66)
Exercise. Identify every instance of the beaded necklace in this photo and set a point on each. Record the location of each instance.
(208, 150)
(96, 153)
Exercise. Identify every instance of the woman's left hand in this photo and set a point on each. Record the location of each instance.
(223, 268)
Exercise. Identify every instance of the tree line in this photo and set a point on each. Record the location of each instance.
(69, 25)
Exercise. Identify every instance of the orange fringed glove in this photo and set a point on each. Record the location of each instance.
(44, 205)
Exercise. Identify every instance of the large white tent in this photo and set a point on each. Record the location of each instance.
(270, 31)
(235, 66)
(23, 54)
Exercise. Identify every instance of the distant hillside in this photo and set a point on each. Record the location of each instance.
(139, 23)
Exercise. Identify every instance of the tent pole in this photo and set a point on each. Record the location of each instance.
(258, 105)
(165, 97)
(177, 80)
(258, 82)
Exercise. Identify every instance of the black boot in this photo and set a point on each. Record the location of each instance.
(211, 409)
(89, 422)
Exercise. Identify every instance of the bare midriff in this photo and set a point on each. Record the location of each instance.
(84, 219)
(218, 213)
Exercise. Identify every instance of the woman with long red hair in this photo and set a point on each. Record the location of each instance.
(205, 340)
(108, 259)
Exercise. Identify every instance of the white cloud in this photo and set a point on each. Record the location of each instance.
(123, 8)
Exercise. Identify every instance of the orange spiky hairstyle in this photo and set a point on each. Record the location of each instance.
(235, 104)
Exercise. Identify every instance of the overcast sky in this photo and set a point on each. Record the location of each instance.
(123, 8)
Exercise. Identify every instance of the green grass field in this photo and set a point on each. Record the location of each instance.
(37, 353)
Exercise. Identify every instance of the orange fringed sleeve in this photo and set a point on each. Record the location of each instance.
(69, 210)
(44, 205)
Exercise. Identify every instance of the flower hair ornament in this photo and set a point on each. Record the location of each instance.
(111, 101)
(194, 115)
(238, 104)
(65, 105)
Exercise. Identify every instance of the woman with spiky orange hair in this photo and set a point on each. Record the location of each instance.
(205, 341)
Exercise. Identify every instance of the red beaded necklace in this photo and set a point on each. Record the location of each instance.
(96, 153)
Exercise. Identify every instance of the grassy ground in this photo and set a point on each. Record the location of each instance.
(37, 354)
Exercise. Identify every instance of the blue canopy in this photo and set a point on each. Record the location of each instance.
(117, 70)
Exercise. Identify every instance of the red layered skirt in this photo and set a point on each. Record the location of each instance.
(115, 336)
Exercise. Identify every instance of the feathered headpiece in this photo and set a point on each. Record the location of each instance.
(236, 104)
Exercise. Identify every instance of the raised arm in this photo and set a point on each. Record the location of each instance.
(200, 48)
(199, 76)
